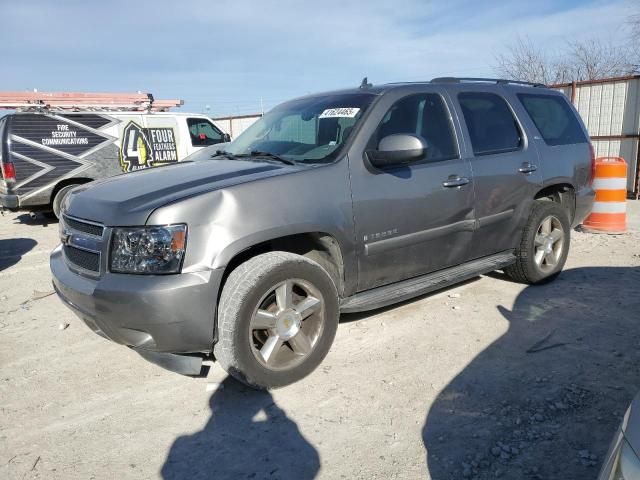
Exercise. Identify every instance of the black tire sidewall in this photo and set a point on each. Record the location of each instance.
(544, 210)
(249, 369)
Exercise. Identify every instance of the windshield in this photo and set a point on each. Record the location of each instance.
(310, 130)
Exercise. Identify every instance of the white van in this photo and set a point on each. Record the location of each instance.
(43, 154)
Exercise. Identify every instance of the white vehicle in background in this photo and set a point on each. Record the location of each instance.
(58, 141)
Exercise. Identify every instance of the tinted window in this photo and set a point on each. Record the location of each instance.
(203, 132)
(554, 118)
(425, 115)
(491, 125)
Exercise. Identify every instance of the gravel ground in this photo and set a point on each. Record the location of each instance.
(490, 379)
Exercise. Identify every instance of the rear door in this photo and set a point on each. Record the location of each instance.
(505, 166)
(407, 221)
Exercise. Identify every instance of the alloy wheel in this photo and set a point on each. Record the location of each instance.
(287, 324)
(549, 243)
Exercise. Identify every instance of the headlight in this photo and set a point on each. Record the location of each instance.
(627, 465)
(150, 250)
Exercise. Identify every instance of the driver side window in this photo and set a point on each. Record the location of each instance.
(427, 116)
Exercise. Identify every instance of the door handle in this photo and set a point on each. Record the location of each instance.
(455, 181)
(527, 168)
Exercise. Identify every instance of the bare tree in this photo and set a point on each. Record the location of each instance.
(579, 60)
(634, 24)
(591, 60)
(524, 61)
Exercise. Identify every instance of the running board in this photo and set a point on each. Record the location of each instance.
(400, 291)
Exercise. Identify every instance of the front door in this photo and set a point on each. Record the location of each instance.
(418, 218)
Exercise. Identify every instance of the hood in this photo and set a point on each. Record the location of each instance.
(129, 199)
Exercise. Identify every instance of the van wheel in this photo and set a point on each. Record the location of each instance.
(277, 318)
(59, 198)
(544, 246)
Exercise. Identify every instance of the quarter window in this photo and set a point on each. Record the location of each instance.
(425, 115)
(203, 132)
(492, 127)
(554, 119)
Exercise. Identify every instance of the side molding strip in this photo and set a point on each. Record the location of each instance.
(380, 246)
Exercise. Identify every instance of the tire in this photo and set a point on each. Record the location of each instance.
(544, 245)
(59, 198)
(256, 313)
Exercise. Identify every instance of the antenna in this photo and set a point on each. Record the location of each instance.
(365, 83)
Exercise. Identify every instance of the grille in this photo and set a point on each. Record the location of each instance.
(83, 259)
(83, 227)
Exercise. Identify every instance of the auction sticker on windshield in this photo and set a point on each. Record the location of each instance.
(343, 112)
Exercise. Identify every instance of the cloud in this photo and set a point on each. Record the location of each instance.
(230, 54)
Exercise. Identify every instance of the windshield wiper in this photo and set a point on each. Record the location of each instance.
(223, 153)
(273, 156)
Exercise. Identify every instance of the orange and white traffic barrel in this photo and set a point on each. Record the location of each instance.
(609, 212)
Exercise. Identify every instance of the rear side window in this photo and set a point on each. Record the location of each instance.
(554, 119)
(425, 115)
(491, 124)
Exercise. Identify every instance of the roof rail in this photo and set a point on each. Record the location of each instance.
(94, 102)
(499, 81)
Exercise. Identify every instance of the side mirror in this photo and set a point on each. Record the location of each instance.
(226, 138)
(398, 149)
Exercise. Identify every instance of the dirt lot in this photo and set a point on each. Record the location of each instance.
(452, 385)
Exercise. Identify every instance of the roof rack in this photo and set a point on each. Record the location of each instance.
(94, 102)
(499, 81)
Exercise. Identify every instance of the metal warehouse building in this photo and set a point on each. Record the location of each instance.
(610, 109)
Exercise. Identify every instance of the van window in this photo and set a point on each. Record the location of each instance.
(554, 118)
(492, 127)
(203, 132)
(425, 115)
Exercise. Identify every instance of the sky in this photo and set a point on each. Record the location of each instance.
(238, 57)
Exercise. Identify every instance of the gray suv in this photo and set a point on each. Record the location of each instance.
(338, 202)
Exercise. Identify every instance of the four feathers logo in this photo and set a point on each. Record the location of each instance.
(146, 147)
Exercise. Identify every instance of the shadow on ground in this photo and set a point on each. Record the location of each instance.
(544, 400)
(12, 250)
(40, 219)
(247, 436)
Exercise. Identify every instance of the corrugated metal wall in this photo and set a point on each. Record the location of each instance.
(234, 126)
(611, 109)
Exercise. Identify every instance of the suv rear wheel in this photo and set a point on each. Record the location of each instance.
(277, 318)
(544, 246)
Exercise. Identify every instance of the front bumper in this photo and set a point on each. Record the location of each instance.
(9, 201)
(150, 313)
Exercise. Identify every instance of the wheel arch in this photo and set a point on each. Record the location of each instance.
(319, 246)
(561, 193)
(65, 183)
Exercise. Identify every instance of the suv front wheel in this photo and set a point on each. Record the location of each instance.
(544, 246)
(277, 318)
